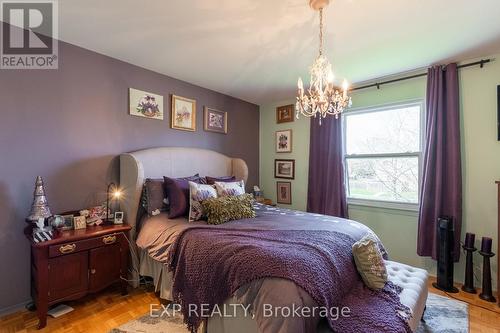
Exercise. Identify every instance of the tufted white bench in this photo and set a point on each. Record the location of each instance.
(414, 294)
(414, 283)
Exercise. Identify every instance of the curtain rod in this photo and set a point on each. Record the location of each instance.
(378, 84)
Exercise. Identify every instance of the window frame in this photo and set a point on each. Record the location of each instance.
(419, 155)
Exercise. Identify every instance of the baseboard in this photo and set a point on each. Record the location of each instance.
(433, 278)
(14, 308)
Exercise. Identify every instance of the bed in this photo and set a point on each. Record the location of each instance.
(179, 162)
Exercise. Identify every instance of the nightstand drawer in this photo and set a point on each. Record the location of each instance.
(73, 247)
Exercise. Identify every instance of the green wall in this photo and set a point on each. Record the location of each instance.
(398, 228)
(300, 152)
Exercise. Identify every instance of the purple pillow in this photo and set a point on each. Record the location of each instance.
(225, 179)
(154, 200)
(177, 192)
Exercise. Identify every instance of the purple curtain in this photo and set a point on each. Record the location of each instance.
(326, 192)
(441, 192)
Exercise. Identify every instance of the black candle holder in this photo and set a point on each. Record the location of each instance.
(469, 271)
(487, 293)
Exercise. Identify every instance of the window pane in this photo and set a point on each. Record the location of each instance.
(388, 179)
(391, 131)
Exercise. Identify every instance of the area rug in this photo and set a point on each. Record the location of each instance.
(443, 315)
(167, 322)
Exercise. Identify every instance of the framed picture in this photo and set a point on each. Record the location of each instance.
(144, 104)
(498, 111)
(215, 120)
(284, 169)
(284, 193)
(118, 218)
(183, 113)
(68, 222)
(80, 222)
(284, 141)
(284, 114)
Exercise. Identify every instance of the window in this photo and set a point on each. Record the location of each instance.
(382, 150)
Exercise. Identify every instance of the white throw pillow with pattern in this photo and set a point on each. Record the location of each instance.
(230, 189)
(197, 194)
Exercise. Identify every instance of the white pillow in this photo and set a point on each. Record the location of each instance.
(230, 189)
(198, 193)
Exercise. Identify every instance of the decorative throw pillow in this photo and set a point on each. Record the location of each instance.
(224, 179)
(153, 198)
(369, 262)
(177, 191)
(230, 189)
(197, 194)
(224, 209)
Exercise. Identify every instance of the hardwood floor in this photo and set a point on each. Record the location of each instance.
(484, 317)
(104, 311)
(93, 314)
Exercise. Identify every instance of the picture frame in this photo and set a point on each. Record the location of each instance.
(284, 169)
(68, 222)
(284, 193)
(80, 222)
(214, 120)
(498, 112)
(285, 114)
(145, 104)
(118, 218)
(283, 141)
(183, 115)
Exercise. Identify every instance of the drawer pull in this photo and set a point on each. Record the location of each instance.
(109, 239)
(68, 248)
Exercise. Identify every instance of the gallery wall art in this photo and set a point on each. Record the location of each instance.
(284, 141)
(145, 104)
(284, 193)
(284, 169)
(215, 120)
(183, 113)
(284, 114)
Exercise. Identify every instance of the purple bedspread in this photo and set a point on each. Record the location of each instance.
(209, 264)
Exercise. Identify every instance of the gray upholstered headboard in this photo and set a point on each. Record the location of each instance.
(135, 167)
(174, 162)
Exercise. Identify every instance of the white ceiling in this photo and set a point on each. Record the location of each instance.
(256, 49)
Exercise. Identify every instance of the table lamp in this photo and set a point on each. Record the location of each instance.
(112, 192)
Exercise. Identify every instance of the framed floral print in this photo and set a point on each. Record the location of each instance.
(183, 113)
(284, 141)
(284, 169)
(144, 104)
(284, 193)
(284, 114)
(215, 120)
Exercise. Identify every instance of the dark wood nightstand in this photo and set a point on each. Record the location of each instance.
(265, 201)
(76, 263)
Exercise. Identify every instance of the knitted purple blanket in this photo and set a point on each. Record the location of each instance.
(210, 265)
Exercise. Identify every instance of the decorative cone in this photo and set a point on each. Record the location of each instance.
(40, 207)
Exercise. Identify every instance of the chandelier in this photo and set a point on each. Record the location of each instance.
(322, 98)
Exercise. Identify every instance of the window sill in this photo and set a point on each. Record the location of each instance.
(409, 207)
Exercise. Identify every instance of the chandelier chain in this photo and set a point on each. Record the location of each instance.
(321, 31)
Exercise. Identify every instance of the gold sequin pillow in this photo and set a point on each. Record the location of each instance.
(224, 209)
(369, 262)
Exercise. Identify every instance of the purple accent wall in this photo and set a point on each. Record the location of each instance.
(69, 125)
